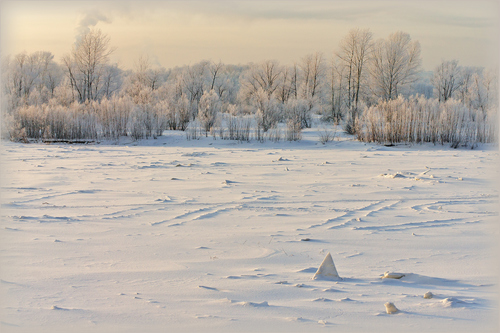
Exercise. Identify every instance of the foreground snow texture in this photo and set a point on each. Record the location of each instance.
(217, 236)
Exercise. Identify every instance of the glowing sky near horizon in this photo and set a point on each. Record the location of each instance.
(175, 33)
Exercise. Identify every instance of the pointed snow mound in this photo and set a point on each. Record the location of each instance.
(390, 308)
(327, 270)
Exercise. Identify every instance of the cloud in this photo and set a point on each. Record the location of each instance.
(91, 18)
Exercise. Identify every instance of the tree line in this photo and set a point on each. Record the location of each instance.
(366, 85)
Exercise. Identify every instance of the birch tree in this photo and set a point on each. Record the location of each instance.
(353, 56)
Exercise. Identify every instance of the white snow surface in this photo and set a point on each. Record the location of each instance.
(171, 235)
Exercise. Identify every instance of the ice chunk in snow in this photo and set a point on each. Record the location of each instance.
(396, 175)
(327, 270)
(390, 308)
(428, 295)
(390, 275)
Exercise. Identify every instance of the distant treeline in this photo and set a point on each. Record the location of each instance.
(375, 89)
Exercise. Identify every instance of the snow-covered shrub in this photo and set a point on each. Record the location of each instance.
(293, 130)
(418, 119)
(268, 110)
(230, 127)
(352, 116)
(274, 134)
(208, 109)
(114, 115)
(233, 109)
(299, 111)
(194, 130)
(136, 126)
(325, 134)
(30, 118)
(178, 112)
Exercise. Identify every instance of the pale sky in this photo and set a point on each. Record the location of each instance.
(176, 33)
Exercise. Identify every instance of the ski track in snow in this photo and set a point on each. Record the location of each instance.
(215, 236)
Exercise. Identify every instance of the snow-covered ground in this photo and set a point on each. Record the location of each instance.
(171, 235)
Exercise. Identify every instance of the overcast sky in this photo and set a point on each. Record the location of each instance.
(175, 33)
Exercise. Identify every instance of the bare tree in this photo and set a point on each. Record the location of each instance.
(85, 65)
(144, 75)
(447, 79)
(111, 80)
(354, 53)
(142, 68)
(395, 65)
(215, 69)
(312, 67)
(193, 83)
(287, 85)
(469, 78)
(266, 76)
(336, 74)
(30, 71)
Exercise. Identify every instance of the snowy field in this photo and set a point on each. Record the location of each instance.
(171, 235)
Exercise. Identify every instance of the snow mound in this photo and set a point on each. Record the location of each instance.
(452, 302)
(253, 304)
(331, 290)
(428, 295)
(390, 308)
(327, 270)
(346, 299)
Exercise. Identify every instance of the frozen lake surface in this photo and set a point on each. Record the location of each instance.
(219, 236)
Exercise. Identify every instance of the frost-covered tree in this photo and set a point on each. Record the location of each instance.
(298, 112)
(312, 67)
(208, 108)
(353, 56)
(25, 74)
(193, 79)
(179, 109)
(478, 88)
(335, 108)
(265, 76)
(447, 79)
(86, 65)
(395, 64)
(215, 70)
(112, 81)
(268, 112)
(144, 74)
(288, 84)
